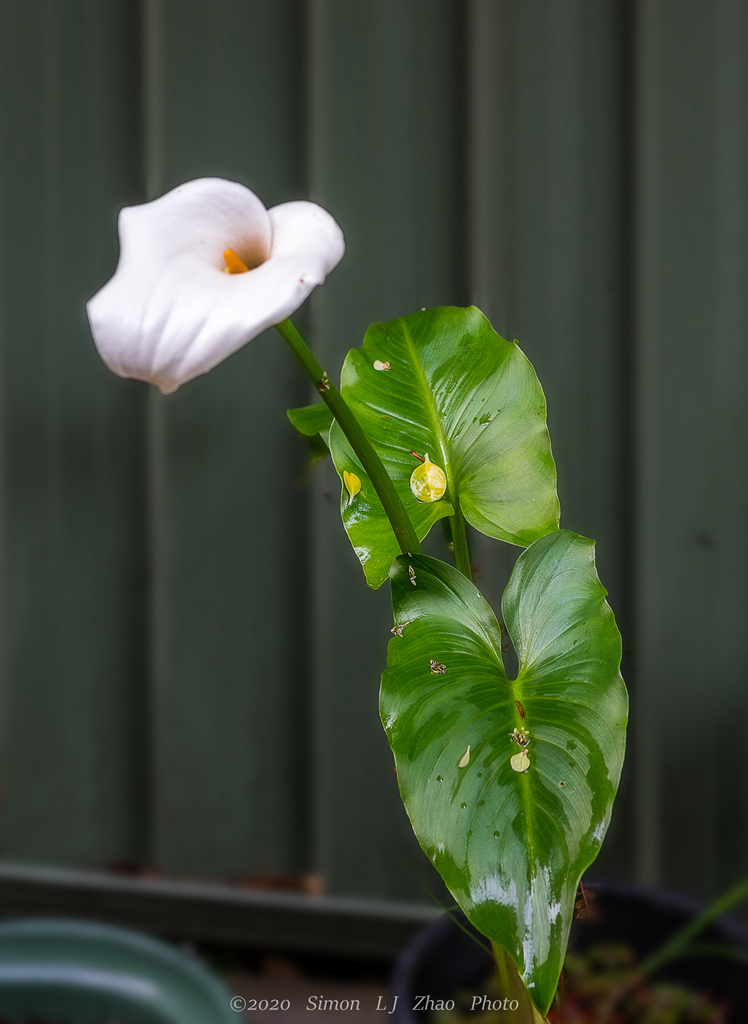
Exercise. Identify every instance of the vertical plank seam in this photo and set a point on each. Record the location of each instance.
(156, 510)
(315, 63)
(627, 491)
(647, 853)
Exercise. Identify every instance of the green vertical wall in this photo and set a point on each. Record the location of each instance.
(190, 656)
(692, 425)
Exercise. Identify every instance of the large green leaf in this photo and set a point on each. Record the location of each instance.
(511, 845)
(472, 401)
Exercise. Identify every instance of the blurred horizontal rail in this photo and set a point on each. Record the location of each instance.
(216, 913)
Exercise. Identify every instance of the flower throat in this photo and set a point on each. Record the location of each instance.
(234, 264)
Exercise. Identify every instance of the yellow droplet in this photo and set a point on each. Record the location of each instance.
(234, 264)
(465, 761)
(427, 481)
(352, 483)
(520, 762)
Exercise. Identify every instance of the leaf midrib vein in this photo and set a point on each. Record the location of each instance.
(431, 407)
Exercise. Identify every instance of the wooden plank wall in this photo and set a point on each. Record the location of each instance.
(190, 656)
(691, 259)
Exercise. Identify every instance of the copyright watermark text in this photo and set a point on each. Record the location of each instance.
(479, 1004)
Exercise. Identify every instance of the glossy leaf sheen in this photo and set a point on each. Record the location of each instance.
(458, 391)
(511, 846)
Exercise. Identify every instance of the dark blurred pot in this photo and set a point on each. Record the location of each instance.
(443, 959)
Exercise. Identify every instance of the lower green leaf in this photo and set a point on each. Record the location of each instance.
(509, 784)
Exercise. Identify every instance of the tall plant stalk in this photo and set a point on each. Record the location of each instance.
(399, 519)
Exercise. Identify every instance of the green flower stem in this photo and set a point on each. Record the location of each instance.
(513, 987)
(459, 540)
(362, 446)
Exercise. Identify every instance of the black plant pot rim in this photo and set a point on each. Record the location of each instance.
(657, 913)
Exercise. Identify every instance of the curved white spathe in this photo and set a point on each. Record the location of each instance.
(171, 313)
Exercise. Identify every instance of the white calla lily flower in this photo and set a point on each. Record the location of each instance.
(203, 270)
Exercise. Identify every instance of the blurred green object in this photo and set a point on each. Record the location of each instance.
(86, 973)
